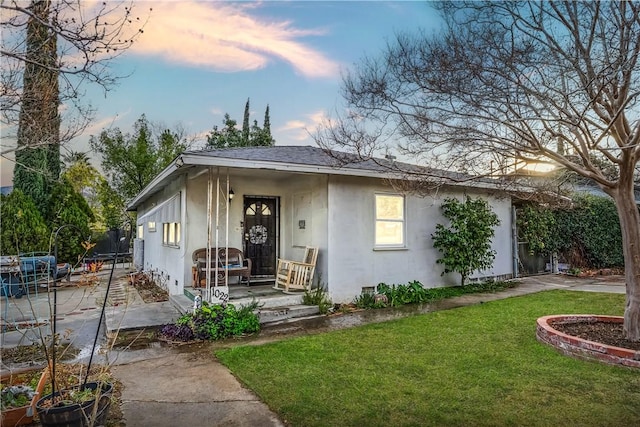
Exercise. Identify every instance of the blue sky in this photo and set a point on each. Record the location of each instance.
(198, 60)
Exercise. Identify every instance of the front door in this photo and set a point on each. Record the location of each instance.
(261, 234)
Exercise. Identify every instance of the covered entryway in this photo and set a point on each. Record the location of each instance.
(261, 233)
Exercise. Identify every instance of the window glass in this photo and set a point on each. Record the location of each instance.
(389, 220)
(171, 233)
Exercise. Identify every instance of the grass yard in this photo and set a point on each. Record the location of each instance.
(473, 366)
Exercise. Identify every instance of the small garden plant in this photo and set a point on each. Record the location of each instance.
(415, 293)
(319, 297)
(213, 322)
(16, 396)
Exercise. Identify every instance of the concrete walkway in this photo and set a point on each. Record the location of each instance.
(188, 389)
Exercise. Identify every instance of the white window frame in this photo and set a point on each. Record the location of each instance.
(379, 220)
(151, 226)
(171, 234)
(140, 231)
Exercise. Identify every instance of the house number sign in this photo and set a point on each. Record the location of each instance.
(219, 295)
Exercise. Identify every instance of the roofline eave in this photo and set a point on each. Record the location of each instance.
(186, 160)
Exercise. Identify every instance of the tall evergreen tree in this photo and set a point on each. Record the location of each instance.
(245, 125)
(38, 152)
(266, 128)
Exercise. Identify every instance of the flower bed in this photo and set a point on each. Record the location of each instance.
(582, 348)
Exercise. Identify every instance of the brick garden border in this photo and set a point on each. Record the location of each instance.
(581, 348)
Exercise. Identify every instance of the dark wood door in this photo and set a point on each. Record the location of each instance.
(261, 233)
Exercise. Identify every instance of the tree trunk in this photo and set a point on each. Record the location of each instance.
(630, 226)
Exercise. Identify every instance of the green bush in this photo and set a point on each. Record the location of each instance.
(466, 242)
(23, 227)
(587, 235)
(398, 295)
(215, 322)
(69, 213)
(415, 293)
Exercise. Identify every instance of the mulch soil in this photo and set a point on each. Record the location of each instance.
(602, 332)
(148, 290)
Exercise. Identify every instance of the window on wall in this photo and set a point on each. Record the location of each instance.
(389, 220)
(151, 225)
(171, 233)
(140, 231)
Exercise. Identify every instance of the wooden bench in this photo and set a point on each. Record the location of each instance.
(297, 274)
(231, 263)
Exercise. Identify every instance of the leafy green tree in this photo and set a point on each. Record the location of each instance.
(466, 242)
(70, 217)
(130, 162)
(114, 213)
(23, 227)
(230, 136)
(85, 180)
(227, 137)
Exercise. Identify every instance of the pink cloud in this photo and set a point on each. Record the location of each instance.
(225, 37)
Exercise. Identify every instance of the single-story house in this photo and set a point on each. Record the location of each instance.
(273, 202)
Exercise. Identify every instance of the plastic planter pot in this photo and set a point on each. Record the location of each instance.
(24, 415)
(67, 414)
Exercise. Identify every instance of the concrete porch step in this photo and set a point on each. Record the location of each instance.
(266, 299)
(278, 300)
(182, 303)
(278, 314)
(277, 309)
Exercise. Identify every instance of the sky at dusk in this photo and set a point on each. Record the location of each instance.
(198, 60)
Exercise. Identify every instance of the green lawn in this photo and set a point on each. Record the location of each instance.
(473, 366)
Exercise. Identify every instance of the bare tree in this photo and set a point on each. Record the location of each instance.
(506, 80)
(50, 48)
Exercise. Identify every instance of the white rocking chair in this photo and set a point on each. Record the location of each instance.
(297, 274)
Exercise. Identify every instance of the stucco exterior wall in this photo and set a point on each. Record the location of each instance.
(166, 263)
(334, 213)
(353, 260)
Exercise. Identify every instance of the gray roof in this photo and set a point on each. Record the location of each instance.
(300, 155)
(303, 159)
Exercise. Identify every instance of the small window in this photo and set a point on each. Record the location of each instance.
(140, 231)
(171, 233)
(389, 220)
(151, 225)
(254, 208)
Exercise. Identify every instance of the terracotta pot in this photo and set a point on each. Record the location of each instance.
(24, 414)
(76, 414)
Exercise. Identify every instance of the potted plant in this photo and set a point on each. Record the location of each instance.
(73, 400)
(20, 392)
(86, 404)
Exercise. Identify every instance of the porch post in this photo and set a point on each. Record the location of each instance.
(217, 223)
(209, 219)
(226, 238)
